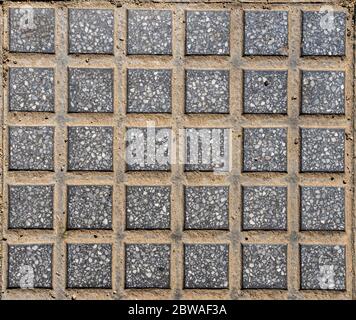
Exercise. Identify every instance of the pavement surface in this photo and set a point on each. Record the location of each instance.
(177, 149)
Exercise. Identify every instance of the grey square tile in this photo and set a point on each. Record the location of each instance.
(89, 265)
(148, 149)
(323, 267)
(207, 149)
(148, 207)
(32, 30)
(149, 32)
(31, 89)
(207, 91)
(89, 207)
(322, 36)
(90, 148)
(323, 92)
(266, 33)
(264, 208)
(149, 91)
(264, 266)
(265, 91)
(30, 207)
(206, 266)
(91, 90)
(91, 31)
(30, 266)
(265, 149)
(147, 266)
(31, 148)
(207, 33)
(322, 150)
(322, 208)
(206, 207)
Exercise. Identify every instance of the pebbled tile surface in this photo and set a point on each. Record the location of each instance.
(147, 266)
(90, 90)
(91, 31)
(32, 30)
(168, 150)
(31, 89)
(30, 207)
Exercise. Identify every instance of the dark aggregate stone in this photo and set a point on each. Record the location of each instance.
(91, 31)
(32, 30)
(91, 90)
(266, 33)
(31, 148)
(206, 266)
(148, 207)
(89, 207)
(149, 32)
(31, 207)
(207, 91)
(265, 149)
(323, 92)
(149, 91)
(322, 208)
(207, 33)
(207, 149)
(90, 148)
(264, 266)
(206, 207)
(89, 265)
(265, 91)
(264, 208)
(30, 266)
(148, 265)
(148, 149)
(323, 267)
(31, 89)
(322, 36)
(322, 150)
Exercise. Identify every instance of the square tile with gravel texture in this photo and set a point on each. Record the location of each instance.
(206, 266)
(207, 91)
(147, 266)
(89, 207)
(264, 266)
(149, 32)
(148, 207)
(31, 89)
(30, 266)
(207, 33)
(264, 208)
(32, 30)
(31, 148)
(265, 91)
(90, 148)
(148, 149)
(322, 208)
(149, 91)
(265, 149)
(322, 267)
(321, 35)
(207, 149)
(90, 90)
(31, 207)
(323, 92)
(206, 207)
(322, 150)
(91, 31)
(89, 265)
(266, 33)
